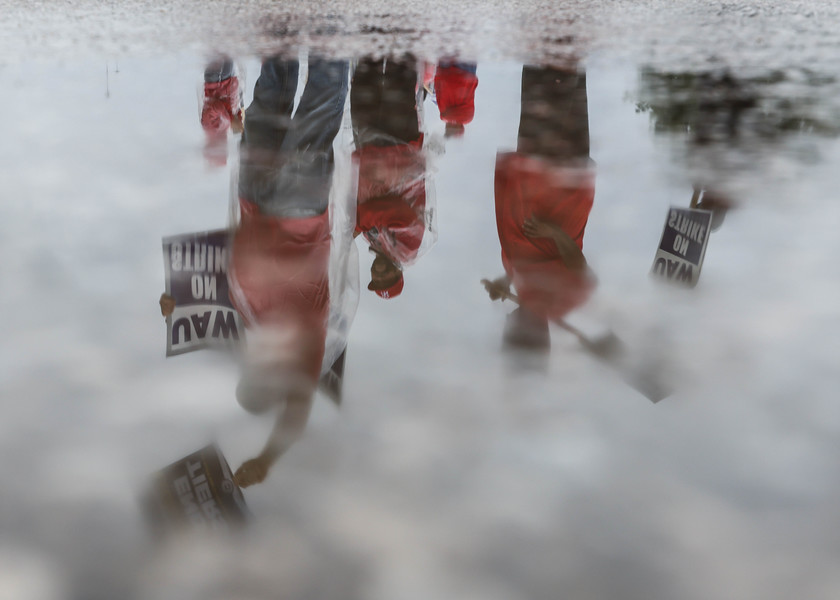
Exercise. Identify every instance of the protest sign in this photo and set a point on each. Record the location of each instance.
(198, 492)
(196, 277)
(682, 248)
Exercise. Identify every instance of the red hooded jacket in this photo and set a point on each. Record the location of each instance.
(527, 186)
(455, 93)
(392, 199)
(279, 278)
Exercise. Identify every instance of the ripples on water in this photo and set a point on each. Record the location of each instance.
(439, 267)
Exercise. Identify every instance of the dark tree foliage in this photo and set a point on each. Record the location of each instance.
(717, 107)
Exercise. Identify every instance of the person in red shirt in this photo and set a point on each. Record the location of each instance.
(221, 109)
(391, 202)
(282, 250)
(280, 253)
(455, 85)
(544, 193)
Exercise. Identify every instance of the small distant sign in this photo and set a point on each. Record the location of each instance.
(683, 246)
(196, 265)
(197, 492)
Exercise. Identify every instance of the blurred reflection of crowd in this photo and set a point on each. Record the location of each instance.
(285, 243)
(288, 237)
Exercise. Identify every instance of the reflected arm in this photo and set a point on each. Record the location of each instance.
(290, 424)
(569, 252)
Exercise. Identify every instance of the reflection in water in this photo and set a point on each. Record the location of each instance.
(394, 212)
(197, 491)
(455, 84)
(221, 109)
(722, 106)
(544, 193)
(443, 476)
(280, 262)
(712, 200)
(732, 123)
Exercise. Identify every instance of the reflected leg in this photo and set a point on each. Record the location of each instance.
(554, 122)
(383, 102)
(303, 181)
(267, 120)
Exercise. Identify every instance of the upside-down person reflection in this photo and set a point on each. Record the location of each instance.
(544, 192)
(281, 250)
(455, 85)
(393, 212)
(221, 109)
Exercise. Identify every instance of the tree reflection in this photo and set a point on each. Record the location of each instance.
(726, 109)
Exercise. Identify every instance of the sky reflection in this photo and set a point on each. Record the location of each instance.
(448, 468)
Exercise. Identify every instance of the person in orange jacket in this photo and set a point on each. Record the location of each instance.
(544, 193)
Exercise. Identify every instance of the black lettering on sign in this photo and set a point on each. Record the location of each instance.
(200, 324)
(685, 234)
(176, 328)
(673, 269)
(686, 272)
(226, 325)
(659, 266)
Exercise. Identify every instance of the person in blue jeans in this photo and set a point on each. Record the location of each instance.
(281, 250)
(287, 161)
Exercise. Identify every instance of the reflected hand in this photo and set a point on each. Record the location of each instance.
(498, 288)
(167, 304)
(236, 123)
(534, 228)
(252, 471)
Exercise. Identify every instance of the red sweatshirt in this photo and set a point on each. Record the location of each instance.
(455, 93)
(392, 199)
(560, 195)
(279, 278)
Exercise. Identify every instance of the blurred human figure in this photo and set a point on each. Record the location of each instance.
(221, 109)
(544, 193)
(279, 267)
(455, 85)
(392, 211)
(286, 255)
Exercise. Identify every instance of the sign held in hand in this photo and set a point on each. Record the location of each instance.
(196, 492)
(682, 248)
(196, 278)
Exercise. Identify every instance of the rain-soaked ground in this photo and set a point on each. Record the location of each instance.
(532, 301)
